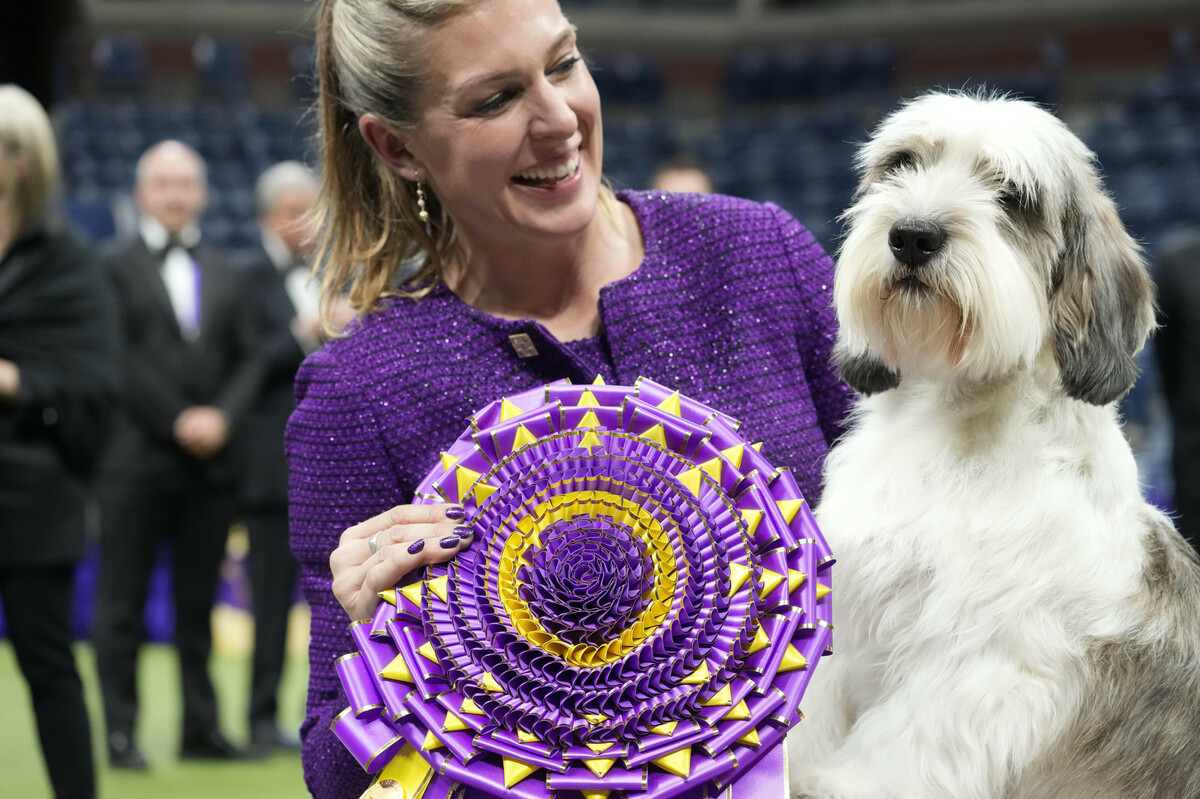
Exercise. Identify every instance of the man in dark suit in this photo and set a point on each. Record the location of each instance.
(288, 326)
(1178, 348)
(189, 377)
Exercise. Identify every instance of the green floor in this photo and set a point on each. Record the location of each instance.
(23, 775)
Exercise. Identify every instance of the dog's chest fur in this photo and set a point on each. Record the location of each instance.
(964, 525)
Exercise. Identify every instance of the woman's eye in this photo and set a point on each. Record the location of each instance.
(495, 102)
(566, 65)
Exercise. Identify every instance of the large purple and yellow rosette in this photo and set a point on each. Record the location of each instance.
(638, 616)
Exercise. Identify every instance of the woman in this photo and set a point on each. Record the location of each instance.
(462, 149)
(57, 381)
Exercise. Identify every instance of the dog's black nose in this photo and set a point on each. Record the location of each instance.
(914, 241)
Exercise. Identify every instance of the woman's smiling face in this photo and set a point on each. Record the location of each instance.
(509, 135)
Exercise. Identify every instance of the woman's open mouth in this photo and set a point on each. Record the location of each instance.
(549, 178)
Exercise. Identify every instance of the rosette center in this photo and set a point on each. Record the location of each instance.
(588, 580)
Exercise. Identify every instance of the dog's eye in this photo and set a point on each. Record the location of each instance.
(901, 160)
(1010, 199)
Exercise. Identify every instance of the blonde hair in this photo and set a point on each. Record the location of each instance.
(27, 139)
(370, 232)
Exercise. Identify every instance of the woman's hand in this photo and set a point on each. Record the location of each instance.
(404, 538)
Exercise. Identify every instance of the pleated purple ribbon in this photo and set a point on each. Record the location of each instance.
(638, 616)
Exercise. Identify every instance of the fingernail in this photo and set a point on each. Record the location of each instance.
(463, 532)
(456, 514)
(416, 546)
(449, 542)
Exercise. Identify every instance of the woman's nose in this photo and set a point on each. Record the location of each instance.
(554, 116)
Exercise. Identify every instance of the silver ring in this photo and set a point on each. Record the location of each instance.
(373, 542)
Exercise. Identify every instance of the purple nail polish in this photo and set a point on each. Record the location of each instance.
(456, 514)
(416, 546)
(463, 532)
(449, 542)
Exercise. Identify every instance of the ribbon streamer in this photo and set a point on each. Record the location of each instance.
(638, 617)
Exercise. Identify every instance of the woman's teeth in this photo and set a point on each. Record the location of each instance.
(549, 176)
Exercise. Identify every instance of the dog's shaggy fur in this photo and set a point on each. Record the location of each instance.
(1013, 619)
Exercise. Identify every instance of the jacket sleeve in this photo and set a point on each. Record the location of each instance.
(244, 385)
(68, 395)
(814, 269)
(340, 475)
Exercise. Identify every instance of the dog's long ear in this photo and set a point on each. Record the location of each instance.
(862, 371)
(1102, 305)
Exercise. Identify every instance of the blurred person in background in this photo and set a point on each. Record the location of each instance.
(58, 383)
(287, 314)
(1177, 346)
(682, 174)
(189, 378)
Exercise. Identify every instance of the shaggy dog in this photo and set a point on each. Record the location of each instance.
(1014, 620)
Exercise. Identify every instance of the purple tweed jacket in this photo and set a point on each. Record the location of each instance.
(731, 306)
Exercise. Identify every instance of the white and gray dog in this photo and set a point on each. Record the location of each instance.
(1014, 619)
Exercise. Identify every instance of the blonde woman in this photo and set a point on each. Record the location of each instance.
(58, 352)
(464, 204)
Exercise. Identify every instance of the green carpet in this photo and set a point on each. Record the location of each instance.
(24, 773)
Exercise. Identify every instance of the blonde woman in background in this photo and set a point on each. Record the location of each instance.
(58, 354)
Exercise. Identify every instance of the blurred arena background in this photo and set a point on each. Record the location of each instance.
(771, 95)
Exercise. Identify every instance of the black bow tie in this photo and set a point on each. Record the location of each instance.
(172, 243)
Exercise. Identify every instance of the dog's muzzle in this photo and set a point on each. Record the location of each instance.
(914, 241)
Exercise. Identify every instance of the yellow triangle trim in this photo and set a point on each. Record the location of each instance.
(795, 579)
(734, 454)
(490, 683)
(595, 718)
(770, 580)
(600, 748)
(595, 794)
(591, 439)
(412, 592)
(438, 586)
(468, 706)
(466, 478)
(656, 435)
(397, 670)
(690, 480)
(599, 381)
(526, 737)
(389, 596)
(721, 698)
(523, 438)
(448, 461)
(789, 508)
(600, 766)
(587, 400)
(740, 712)
(750, 739)
(454, 724)
(678, 763)
(698, 677)
(509, 410)
(515, 771)
(671, 404)
(757, 447)
(823, 591)
(714, 468)
(426, 649)
(483, 491)
(738, 574)
(589, 420)
(665, 729)
(751, 516)
(760, 642)
(431, 742)
(792, 659)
